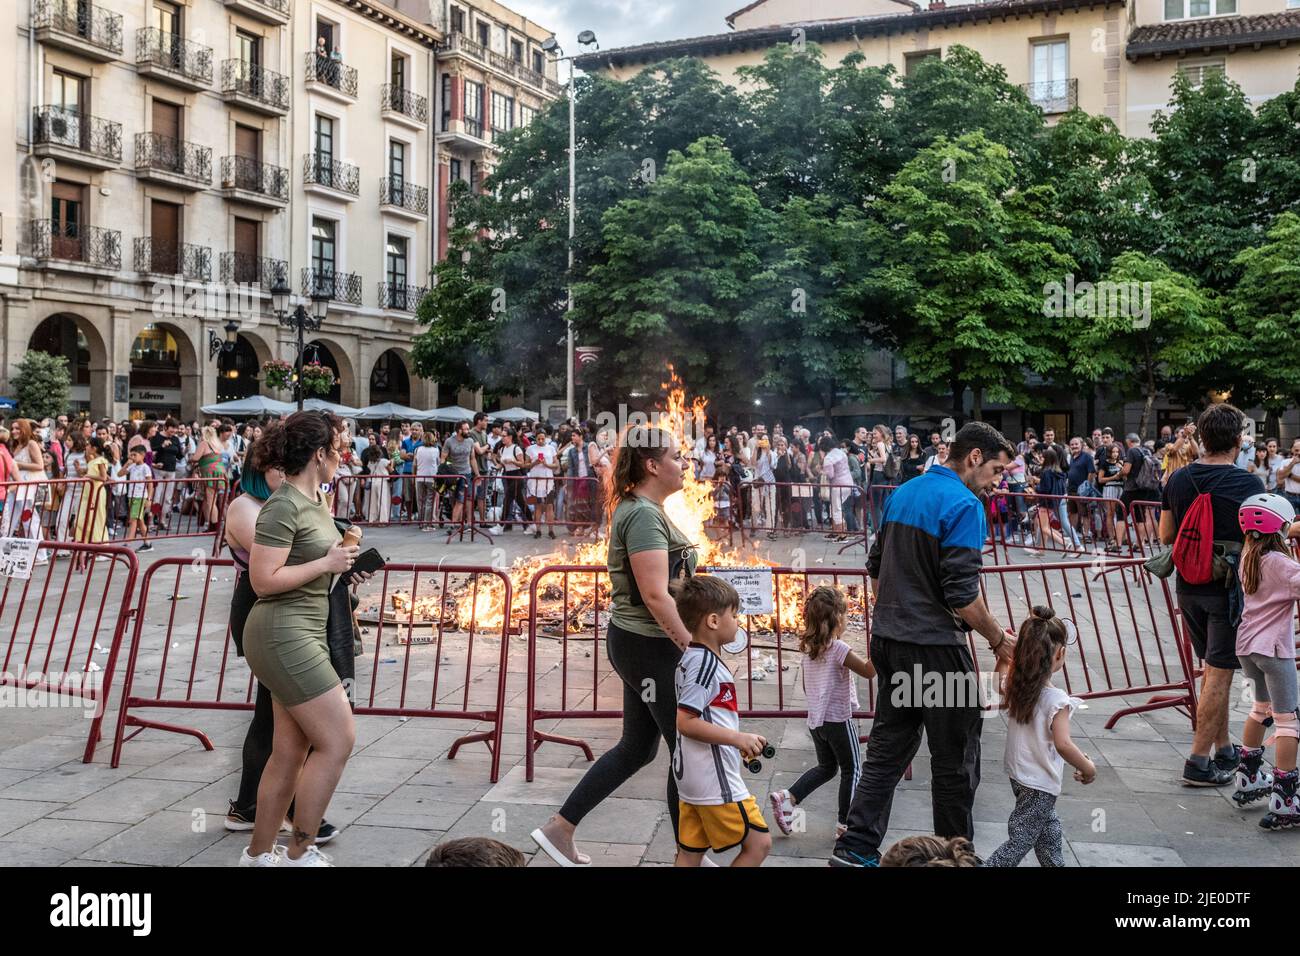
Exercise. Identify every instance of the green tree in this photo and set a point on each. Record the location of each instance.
(1264, 309)
(966, 258)
(672, 275)
(1167, 345)
(42, 385)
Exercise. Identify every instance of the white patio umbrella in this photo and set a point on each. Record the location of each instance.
(320, 405)
(253, 405)
(452, 413)
(390, 411)
(515, 414)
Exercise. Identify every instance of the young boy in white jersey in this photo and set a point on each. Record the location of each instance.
(717, 810)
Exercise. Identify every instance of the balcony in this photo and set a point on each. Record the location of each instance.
(339, 286)
(173, 58)
(457, 44)
(80, 28)
(466, 133)
(1053, 96)
(329, 177)
(244, 179)
(274, 12)
(175, 162)
(254, 87)
(168, 257)
(331, 77)
(402, 198)
(399, 297)
(248, 268)
(52, 243)
(401, 105)
(73, 137)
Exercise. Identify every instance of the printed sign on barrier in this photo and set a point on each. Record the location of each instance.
(754, 585)
(17, 555)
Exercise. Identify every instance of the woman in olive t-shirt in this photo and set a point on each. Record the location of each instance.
(646, 637)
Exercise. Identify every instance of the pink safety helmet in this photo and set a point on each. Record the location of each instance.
(1266, 514)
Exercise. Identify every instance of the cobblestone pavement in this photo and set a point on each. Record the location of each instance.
(400, 795)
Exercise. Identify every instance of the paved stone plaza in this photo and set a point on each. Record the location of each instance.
(400, 795)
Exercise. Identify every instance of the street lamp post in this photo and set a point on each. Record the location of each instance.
(299, 319)
(550, 45)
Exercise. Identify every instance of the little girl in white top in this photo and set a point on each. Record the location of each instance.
(1038, 741)
(828, 668)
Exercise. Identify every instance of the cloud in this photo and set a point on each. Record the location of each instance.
(618, 23)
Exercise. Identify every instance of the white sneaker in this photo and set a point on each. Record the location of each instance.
(495, 529)
(310, 857)
(272, 858)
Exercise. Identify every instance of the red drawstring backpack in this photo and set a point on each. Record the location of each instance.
(1194, 546)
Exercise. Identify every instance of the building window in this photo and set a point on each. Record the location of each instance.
(526, 115)
(249, 48)
(474, 108)
(397, 72)
(912, 60)
(1050, 76)
(446, 102)
(539, 59)
(457, 20)
(1198, 71)
(503, 113)
(396, 172)
(454, 169)
(484, 35)
(396, 261)
(1190, 9)
(322, 246)
(517, 52)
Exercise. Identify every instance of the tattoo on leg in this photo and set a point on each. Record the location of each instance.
(300, 837)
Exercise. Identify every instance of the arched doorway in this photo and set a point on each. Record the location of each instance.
(320, 352)
(59, 335)
(237, 371)
(155, 374)
(389, 380)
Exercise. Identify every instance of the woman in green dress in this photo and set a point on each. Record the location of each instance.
(209, 462)
(296, 555)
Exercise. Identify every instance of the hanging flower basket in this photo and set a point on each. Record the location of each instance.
(278, 374)
(317, 379)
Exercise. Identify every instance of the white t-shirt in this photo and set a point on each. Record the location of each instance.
(426, 460)
(1030, 756)
(707, 774)
(513, 457)
(138, 476)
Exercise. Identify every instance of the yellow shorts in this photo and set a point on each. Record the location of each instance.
(719, 827)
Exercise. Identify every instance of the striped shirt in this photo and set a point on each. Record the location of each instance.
(829, 686)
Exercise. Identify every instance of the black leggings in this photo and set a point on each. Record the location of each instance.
(837, 749)
(636, 659)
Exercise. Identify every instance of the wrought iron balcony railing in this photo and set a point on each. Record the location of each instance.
(401, 100)
(459, 43)
(83, 20)
(339, 286)
(155, 151)
(169, 257)
(252, 269)
(249, 79)
(323, 171)
(403, 298)
(174, 53)
(244, 172)
(74, 242)
(61, 126)
(398, 192)
(331, 72)
(1053, 96)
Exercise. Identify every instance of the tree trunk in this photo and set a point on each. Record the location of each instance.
(1150, 401)
(977, 403)
(957, 391)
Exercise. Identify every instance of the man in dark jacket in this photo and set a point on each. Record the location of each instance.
(925, 573)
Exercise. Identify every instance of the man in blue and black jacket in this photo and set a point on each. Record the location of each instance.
(925, 573)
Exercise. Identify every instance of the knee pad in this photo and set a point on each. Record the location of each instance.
(1260, 711)
(1286, 725)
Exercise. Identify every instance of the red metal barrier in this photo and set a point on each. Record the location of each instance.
(559, 504)
(61, 617)
(193, 666)
(52, 509)
(379, 500)
(1032, 521)
(1143, 530)
(581, 683)
(803, 507)
(1128, 635)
